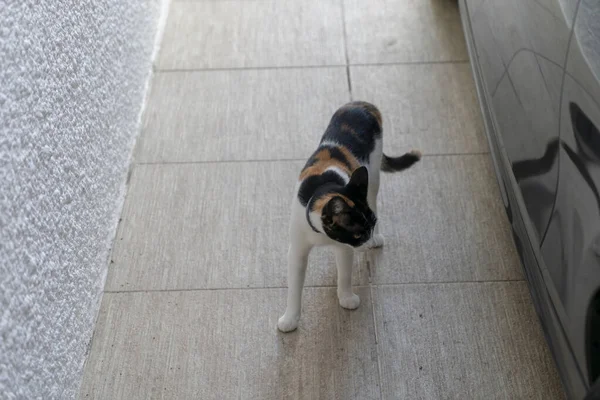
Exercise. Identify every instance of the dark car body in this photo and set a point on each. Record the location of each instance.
(536, 65)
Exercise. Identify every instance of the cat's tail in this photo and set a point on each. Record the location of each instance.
(395, 164)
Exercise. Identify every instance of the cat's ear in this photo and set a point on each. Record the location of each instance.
(359, 181)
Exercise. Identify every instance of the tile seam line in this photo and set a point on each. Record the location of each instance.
(283, 67)
(345, 40)
(290, 159)
(377, 340)
(373, 285)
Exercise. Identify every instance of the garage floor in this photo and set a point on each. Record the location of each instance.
(243, 90)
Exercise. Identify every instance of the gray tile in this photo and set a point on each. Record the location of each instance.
(388, 31)
(225, 345)
(226, 34)
(189, 226)
(462, 341)
(239, 115)
(443, 220)
(430, 107)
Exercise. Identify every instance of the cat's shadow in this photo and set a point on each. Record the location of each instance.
(370, 259)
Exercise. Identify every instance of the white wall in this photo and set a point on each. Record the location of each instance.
(72, 83)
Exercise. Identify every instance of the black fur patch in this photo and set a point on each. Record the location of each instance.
(396, 164)
(355, 127)
(338, 155)
(359, 182)
(311, 184)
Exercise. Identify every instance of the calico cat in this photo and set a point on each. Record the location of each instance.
(335, 201)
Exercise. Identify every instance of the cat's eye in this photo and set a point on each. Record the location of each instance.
(357, 235)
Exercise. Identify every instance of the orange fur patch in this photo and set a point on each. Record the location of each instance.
(350, 157)
(322, 202)
(325, 161)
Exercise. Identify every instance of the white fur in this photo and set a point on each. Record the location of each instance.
(329, 143)
(341, 173)
(303, 239)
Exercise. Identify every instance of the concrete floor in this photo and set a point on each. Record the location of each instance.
(242, 92)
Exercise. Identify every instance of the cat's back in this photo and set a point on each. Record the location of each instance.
(347, 144)
(355, 126)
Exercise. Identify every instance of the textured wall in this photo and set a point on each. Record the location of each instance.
(72, 82)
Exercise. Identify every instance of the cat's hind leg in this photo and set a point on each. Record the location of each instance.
(377, 239)
(297, 263)
(344, 257)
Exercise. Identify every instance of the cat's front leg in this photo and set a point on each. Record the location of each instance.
(297, 262)
(344, 258)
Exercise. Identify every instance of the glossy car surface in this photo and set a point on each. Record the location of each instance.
(537, 69)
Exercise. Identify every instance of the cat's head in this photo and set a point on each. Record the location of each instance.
(345, 213)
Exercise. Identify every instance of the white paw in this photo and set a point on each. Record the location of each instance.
(376, 241)
(287, 324)
(349, 302)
